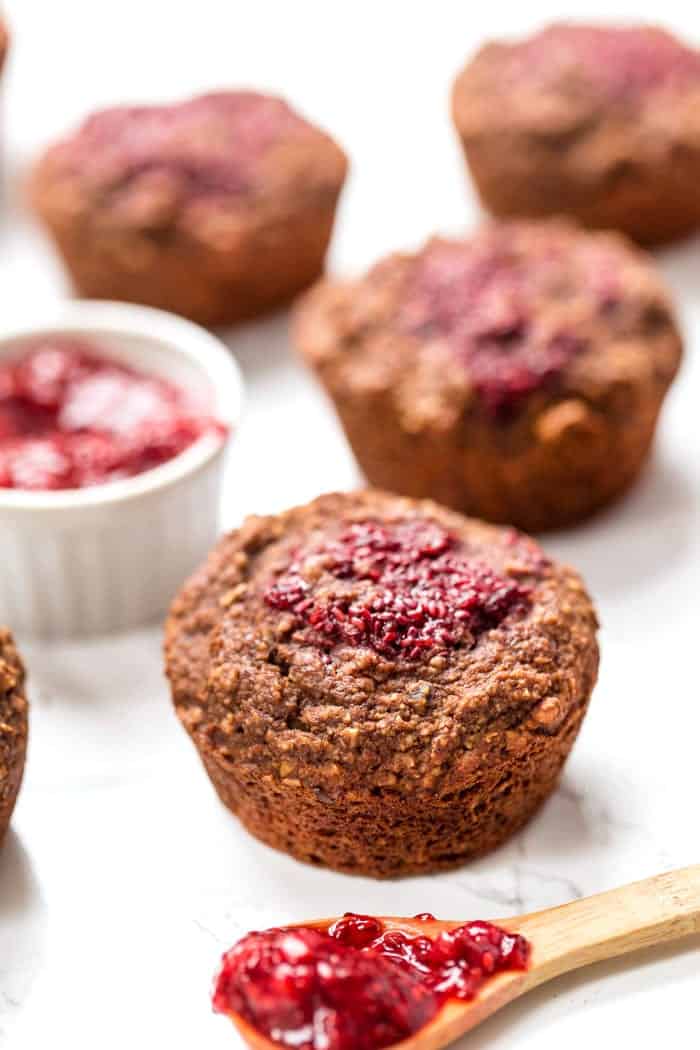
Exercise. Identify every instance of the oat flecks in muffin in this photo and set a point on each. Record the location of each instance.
(380, 760)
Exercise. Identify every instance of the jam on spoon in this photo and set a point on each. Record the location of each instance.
(358, 985)
(364, 983)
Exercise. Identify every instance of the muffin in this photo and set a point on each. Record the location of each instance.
(13, 727)
(600, 123)
(516, 375)
(378, 684)
(217, 208)
(4, 42)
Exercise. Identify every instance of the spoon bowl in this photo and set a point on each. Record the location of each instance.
(654, 911)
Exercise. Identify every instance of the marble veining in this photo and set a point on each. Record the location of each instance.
(123, 879)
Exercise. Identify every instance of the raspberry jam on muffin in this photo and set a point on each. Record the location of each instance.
(517, 375)
(71, 418)
(598, 122)
(420, 593)
(378, 684)
(217, 208)
(358, 984)
(13, 727)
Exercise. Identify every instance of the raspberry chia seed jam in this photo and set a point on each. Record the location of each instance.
(210, 145)
(358, 985)
(627, 63)
(483, 300)
(71, 418)
(402, 588)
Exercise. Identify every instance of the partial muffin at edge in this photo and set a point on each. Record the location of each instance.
(371, 748)
(13, 727)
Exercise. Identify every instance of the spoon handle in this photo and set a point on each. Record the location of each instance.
(591, 930)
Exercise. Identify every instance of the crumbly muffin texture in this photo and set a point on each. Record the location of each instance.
(216, 207)
(516, 375)
(13, 727)
(599, 122)
(378, 684)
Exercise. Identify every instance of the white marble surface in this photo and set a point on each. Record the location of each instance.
(123, 879)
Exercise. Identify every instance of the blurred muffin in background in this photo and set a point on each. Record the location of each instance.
(218, 208)
(516, 375)
(600, 123)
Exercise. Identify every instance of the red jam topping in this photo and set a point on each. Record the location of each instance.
(207, 145)
(625, 63)
(398, 587)
(485, 297)
(358, 986)
(70, 418)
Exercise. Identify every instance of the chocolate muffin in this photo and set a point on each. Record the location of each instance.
(378, 684)
(600, 123)
(217, 208)
(13, 727)
(516, 375)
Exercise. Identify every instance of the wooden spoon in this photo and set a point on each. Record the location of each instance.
(586, 931)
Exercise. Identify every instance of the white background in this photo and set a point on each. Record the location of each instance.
(123, 879)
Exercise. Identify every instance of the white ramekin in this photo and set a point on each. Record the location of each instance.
(111, 557)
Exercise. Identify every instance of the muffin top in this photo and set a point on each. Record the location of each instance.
(225, 151)
(365, 633)
(13, 718)
(499, 326)
(569, 76)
